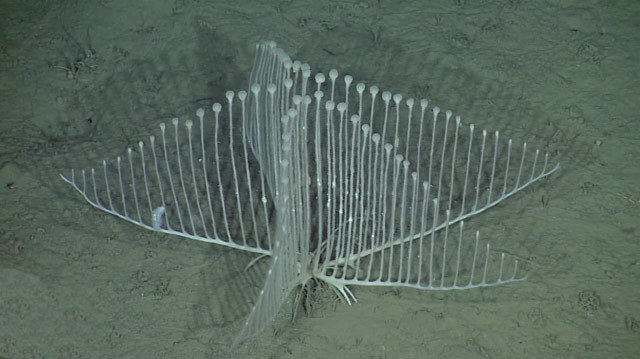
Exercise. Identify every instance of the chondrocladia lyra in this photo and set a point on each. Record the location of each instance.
(333, 181)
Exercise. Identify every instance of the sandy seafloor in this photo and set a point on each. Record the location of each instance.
(82, 80)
